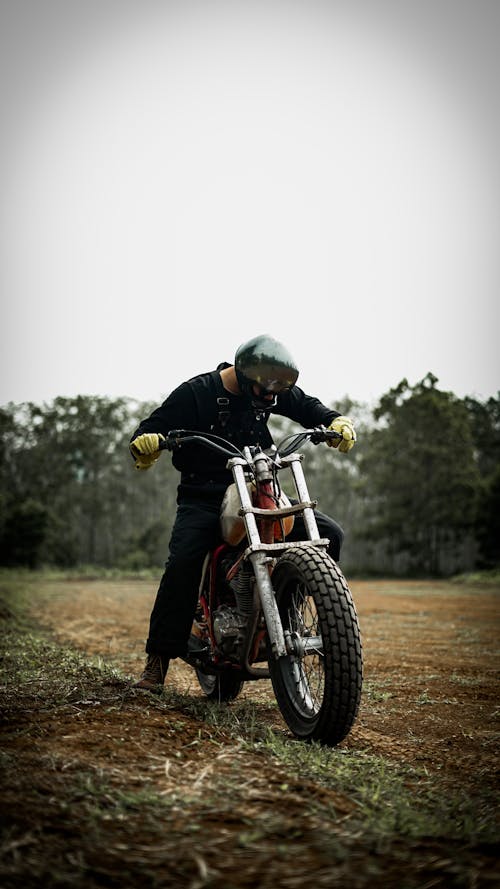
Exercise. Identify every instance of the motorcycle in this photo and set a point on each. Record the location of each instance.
(264, 600)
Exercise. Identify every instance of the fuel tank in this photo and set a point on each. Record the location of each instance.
(232, 524)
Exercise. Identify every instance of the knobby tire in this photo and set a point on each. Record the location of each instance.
(318, 692)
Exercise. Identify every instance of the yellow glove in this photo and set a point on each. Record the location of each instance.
(146, 449)
(342, 425)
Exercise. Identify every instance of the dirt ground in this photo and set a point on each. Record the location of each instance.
(431, 668)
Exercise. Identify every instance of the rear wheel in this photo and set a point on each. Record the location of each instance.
(318, 684)
(221, 687)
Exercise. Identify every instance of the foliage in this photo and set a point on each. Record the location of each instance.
(420, 492)
(488, 521)
(485, 418)
(68, 488)
(421, 478)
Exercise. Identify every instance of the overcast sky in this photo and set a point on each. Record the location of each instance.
(177, 177)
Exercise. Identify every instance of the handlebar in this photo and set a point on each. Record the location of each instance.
(177, 437)
(315, 436)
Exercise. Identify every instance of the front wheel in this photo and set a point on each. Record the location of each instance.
(318, 684)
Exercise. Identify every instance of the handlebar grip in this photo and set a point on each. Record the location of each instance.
(321, 434)
(171, 439)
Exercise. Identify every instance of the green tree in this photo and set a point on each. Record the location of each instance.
(421, 479)
(485, 424)
(71, 457)
(23, 534)
(333, 478)
(488, 523)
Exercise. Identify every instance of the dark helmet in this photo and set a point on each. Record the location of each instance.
(268, 364)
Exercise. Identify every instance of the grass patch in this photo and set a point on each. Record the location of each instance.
(242, 720)
(490, 578)
(391, 798)
(375, 691)
(77, 572)
(35, 667)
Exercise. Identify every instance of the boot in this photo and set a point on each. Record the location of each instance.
(154, 673)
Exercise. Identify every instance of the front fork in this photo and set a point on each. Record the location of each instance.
(262, 554)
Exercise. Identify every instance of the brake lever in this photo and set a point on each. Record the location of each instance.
(172, 440)
(322, 434)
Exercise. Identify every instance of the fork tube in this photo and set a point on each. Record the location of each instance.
(303, 494)
(246, 502)
(268, 602)
(260, 564)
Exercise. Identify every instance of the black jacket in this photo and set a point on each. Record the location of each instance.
(202, 404)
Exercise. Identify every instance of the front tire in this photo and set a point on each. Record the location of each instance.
(318, 686)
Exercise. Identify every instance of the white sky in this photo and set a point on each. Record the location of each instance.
(177, 177)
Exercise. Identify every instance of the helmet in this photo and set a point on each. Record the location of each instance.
(266, 363)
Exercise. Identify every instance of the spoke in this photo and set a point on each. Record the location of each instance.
(307, 670)
(302, 685)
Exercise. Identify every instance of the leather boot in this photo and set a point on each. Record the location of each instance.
(154, 673)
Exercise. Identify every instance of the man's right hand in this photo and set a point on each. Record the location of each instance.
(146, 449)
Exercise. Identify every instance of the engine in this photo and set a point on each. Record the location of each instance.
(227, 626)
(229, 622)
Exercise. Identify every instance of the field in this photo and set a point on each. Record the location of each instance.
(106, 787)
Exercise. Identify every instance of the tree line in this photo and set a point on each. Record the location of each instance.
(419, 494)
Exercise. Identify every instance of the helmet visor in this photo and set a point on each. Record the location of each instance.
(271, 377)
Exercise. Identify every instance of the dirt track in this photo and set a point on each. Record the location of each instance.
(430, 701)
(430, 652)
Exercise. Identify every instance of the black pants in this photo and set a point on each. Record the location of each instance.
(196, 530)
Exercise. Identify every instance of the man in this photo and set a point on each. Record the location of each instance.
(234, 401)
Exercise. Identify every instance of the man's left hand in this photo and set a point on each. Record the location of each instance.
(344, 427)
